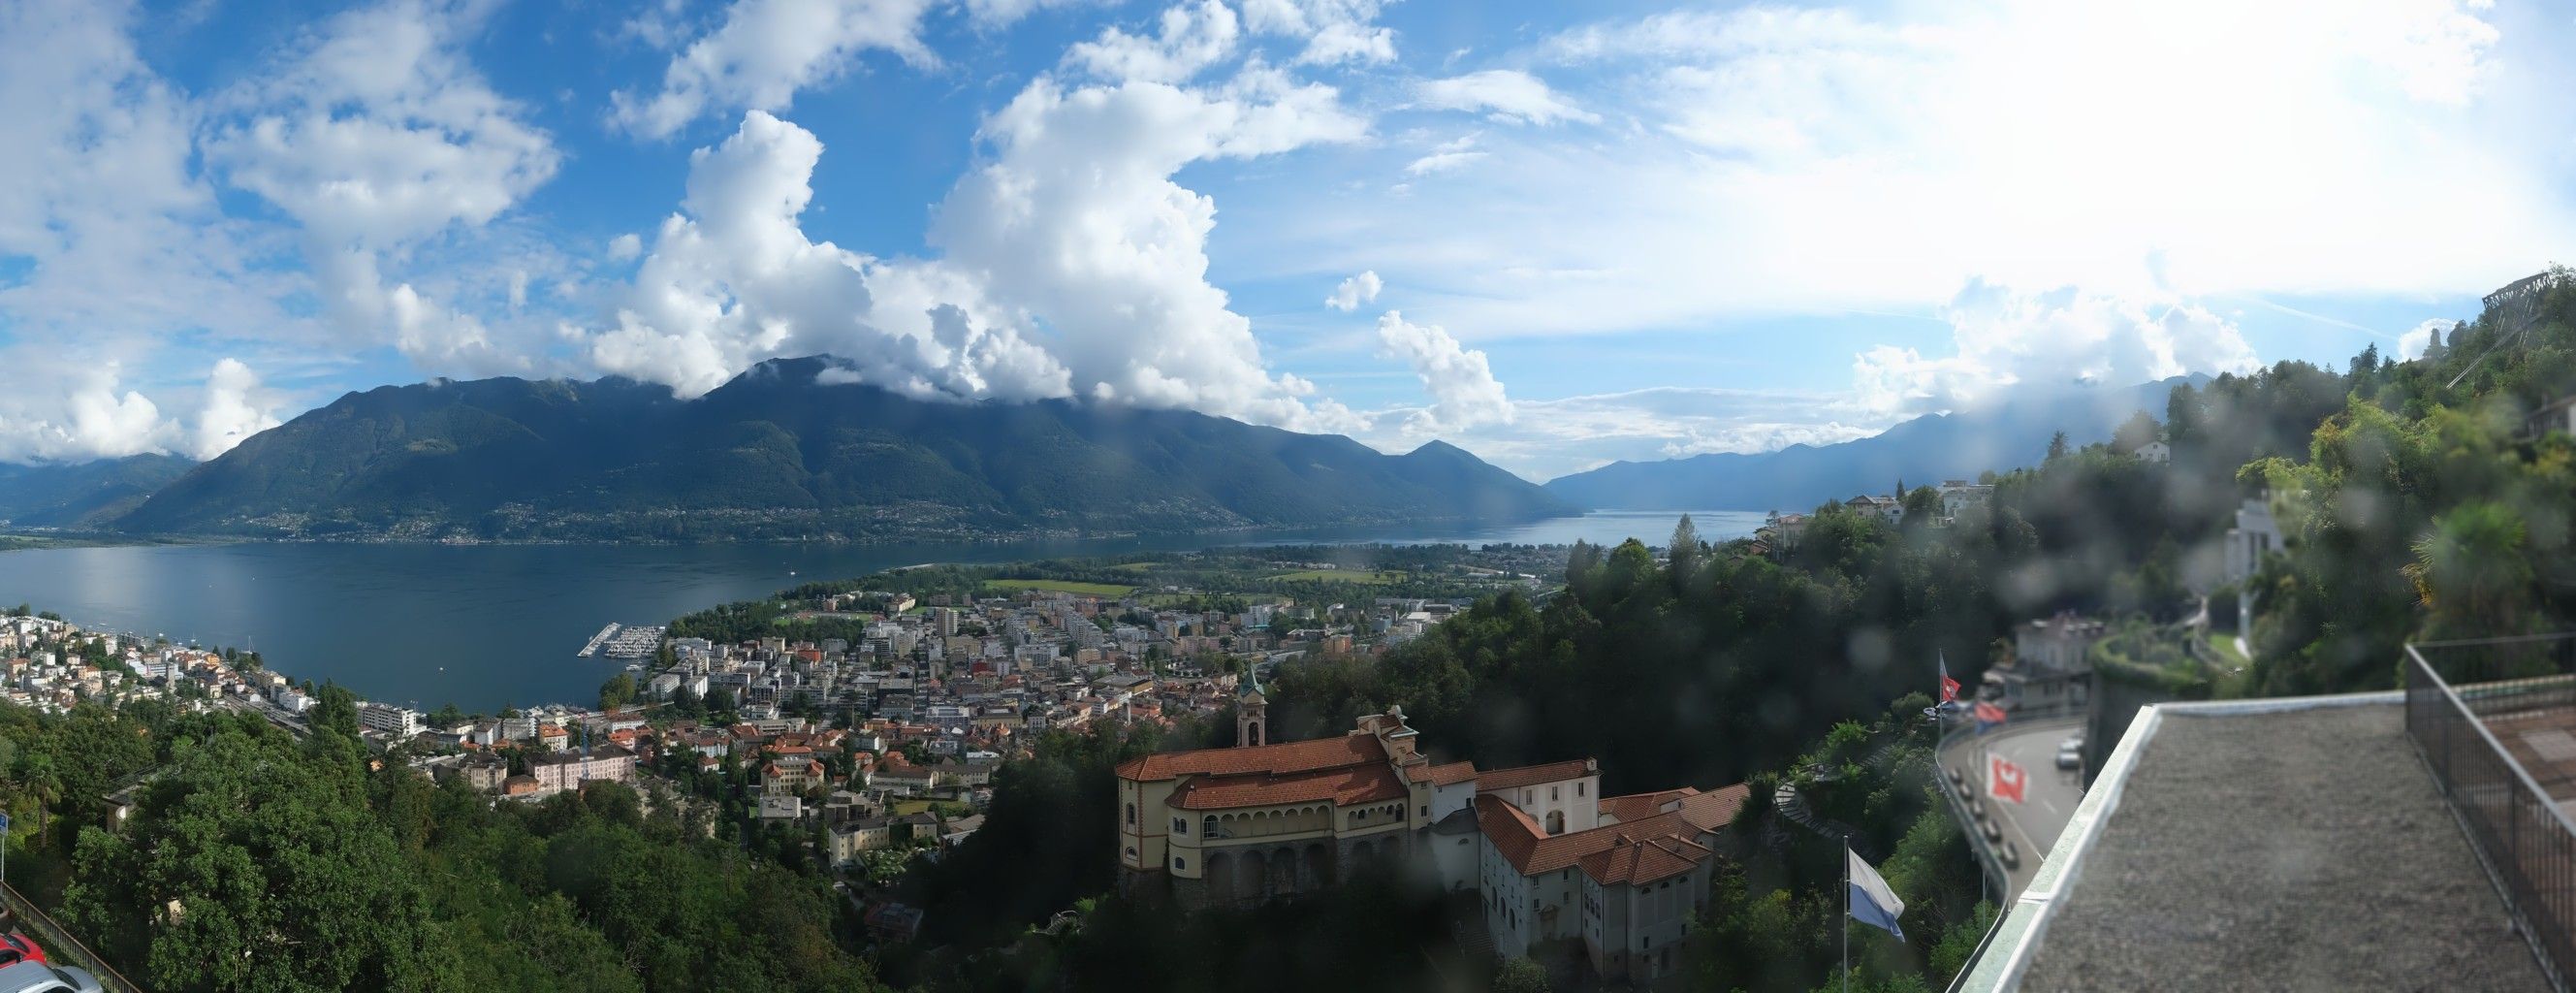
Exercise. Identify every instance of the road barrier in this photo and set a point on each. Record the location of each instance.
(59, 944)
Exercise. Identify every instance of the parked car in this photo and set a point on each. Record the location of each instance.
(2008, 855)
(2070, 753)
(38, 977)
(16, 948)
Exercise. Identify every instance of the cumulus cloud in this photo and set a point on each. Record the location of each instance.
(1355, 291)
(374, 134)
(2411, 345)
(1464, 393)
(733, 280)
(1335, 31)
(625, 246)
(1192, 38)
(236, 406)
(1508, 95)
(1073, 217)
(767, 50)
(2002, 336)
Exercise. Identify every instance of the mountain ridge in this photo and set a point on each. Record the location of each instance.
(2006, 434)
(779, 453)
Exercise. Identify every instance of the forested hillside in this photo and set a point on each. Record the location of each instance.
(786, 451)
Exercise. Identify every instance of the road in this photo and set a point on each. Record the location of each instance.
(2033, 825)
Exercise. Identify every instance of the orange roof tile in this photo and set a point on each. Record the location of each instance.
(1530, 775)
(1638, 861)
(1443, 775)
(1344, 786)
(1278, 760)
(1639, 806)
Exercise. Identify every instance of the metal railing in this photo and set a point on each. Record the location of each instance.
(59, 942)
(2514, 825)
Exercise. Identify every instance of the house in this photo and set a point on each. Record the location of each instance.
(2156, 452)
(782, 807)
(1627, 887)
(569, 770)
(866, 835)
(2557, 415)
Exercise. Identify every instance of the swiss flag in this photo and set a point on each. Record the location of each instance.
(2004, 780)
(1949, 686)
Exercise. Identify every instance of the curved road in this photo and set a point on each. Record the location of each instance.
(2050, 798)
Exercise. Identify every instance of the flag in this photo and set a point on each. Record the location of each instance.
(1949, 686)
(1872, 903)
(1989, 717)
(2005, 780)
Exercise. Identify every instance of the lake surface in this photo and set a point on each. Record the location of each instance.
(486, 626)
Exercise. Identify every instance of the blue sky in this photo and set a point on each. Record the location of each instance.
(1556, 234)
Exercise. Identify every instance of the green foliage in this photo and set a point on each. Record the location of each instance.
(617, 692)
(1520, 975)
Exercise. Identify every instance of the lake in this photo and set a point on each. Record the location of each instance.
(486, 626)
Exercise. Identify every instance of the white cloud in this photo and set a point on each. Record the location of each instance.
(625, 246)
(766, 51)
(733, 280)
(1074, 219)
(1192, 38)
(1335, 31)
(1355, 291)
(2002, 337)
(374, 134)
(1769, 159)
(1507, 95)
(2411, 345)
(1464, 393)
(1550, 438)
(236, 406)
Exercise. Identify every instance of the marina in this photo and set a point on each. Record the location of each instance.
(631, 641)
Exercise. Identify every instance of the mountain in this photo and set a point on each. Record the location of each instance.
(783, 452)
(2007, 434)
(72, 496)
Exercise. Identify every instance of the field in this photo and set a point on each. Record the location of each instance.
(1057, 585)
(1368, 576)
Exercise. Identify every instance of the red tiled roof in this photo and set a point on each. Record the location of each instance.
(1344, 786)
(1278, 760)
(1637, 861)
(1639, 806)
(1443, 775)
(1531, 775)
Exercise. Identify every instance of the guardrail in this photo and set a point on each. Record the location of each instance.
(2526, 843)
(59, 943)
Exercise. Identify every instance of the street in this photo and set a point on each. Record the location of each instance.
(2050, 798)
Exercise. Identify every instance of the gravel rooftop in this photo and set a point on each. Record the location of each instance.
(2299, 850)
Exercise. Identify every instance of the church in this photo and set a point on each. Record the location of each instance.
(1550, 857)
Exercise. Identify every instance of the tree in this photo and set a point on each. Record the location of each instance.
(617, 692)
(2056, 447)
(720, 703)
(43, 781)
(2472, 573)
(2135, 433)
(1685, 550)
(1520, 975)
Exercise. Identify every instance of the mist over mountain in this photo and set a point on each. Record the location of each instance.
(2010, 432)
(783, 452)
(72, 496)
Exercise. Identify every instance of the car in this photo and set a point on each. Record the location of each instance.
(16, 948)
(2070, 753)
(38, 977)
(2008, 855)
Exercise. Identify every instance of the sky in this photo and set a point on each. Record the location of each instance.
(1555, 234)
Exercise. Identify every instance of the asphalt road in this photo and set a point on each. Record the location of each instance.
(2033, 825)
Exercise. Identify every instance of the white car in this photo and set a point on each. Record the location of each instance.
(2070, 753)
(37, 977)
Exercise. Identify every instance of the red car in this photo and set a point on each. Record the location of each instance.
(15, 948)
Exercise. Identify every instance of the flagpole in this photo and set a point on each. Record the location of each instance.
(1847, 857)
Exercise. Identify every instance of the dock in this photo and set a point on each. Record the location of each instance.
(597, 640)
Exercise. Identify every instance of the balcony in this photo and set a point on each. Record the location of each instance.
(2495, 721)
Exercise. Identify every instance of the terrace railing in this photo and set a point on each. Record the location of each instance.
(2454, 691)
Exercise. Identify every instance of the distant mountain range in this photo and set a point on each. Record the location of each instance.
(781, 453)
(2008, 434)
(74, 496)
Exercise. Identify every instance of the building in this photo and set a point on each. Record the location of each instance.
(2156, 452)
(1623, 875)
(1551, 858)
(2368, 848)
(400, 722)
(1958, 496)
(2253, 540)
(561, 771)
(2051, 667)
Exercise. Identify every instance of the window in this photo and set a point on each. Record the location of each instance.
(1180, 863)
(1207, 826)
(1555, 793)
(1180, 826)
(1426, 811)
(1578, 789)
(1131, 815)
